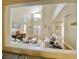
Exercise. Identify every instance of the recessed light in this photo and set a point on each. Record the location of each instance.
(37, 16)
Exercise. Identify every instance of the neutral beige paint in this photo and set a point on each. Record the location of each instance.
(7, 2)
(7, 22)
(68, 15)
(70, 31)
(46, 19)
(57, 28)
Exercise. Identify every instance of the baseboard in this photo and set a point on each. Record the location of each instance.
(67, 45)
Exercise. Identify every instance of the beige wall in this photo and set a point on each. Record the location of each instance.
(46, 19)
(57, 28)
(70, 34)
(7, 26)
(68, 15)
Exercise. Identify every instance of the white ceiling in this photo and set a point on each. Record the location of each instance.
(18, 13)
(69, 9)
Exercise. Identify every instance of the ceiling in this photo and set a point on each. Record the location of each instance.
(69, 9)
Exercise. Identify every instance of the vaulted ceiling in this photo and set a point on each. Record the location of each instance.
(68, 10)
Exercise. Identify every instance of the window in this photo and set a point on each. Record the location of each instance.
(37, 30)
(36, 19)
(25, 28)
(62, 30)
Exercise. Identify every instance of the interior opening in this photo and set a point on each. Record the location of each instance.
(43, 26)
